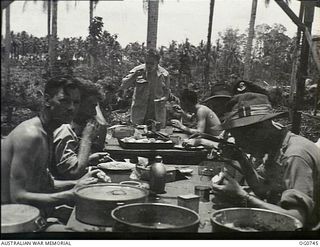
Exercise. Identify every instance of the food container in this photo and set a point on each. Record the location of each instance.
(123, 131)
(154, 217)
(94, 203)
(146, 145)
(190, 201)
(21, 218)
(252, 220)
(203, 192)
(118, 171)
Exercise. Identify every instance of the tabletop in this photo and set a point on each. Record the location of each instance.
(169, 156)
(173, 189)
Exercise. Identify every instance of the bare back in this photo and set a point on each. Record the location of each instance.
(207, 119)
(24, 161)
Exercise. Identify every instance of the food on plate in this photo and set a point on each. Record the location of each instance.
(116, 165)
(217, 179)
(144, 140)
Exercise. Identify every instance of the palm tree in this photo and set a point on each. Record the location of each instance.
(53, 40)
(6, 55)
(207, 67)
(152, 30)
(92, 6)
(247, 58)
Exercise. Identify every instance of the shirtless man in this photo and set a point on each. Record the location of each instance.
(206, 118)
(27, 152)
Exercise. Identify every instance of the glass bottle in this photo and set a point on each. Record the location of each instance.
(158, 176)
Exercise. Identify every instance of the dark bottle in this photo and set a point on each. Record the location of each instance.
(158, 176)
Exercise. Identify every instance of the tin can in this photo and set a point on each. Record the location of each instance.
(203, 192)
(190, 201)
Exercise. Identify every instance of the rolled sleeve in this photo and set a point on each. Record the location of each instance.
(298, 185)
(66, 147)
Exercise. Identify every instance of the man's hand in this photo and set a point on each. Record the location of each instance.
(139, 72)
(231, 151)
(99, 157)
(176, 123)
(229, 190)
(92, 177)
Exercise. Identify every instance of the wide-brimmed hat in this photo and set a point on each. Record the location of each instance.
(246, 109)
(219, 90)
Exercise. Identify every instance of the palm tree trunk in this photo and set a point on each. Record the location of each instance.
(247, 59)
(49, 21)
(6, 82)
(153, 13)
(53, 42)
(90, 11)
(207, 67)
(154, 108)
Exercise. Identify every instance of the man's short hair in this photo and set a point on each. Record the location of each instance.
(53, 84)
(189, 96)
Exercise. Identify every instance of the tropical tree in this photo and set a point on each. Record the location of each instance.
(5, 82)
(247, 58)
(92, 6)
(248, 51)
(207, 67)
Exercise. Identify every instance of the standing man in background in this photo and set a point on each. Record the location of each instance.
(150, 94)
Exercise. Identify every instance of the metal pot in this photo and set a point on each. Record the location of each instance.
(252, 220)
(154, 217)
(94, 203)
(21, 218)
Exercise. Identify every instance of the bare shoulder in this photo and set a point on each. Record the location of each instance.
(203, 110)
(28, 132)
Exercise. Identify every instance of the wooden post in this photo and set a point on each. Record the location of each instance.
(303, 68)
(293, 80)
(207, 66)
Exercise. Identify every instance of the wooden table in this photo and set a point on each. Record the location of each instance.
(169, 156)
(173, 189)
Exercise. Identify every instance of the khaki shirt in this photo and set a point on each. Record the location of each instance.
(293, 176)
(143, 96)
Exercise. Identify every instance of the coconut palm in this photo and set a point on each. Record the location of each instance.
(207, 67)
(92, 6)
(5, 82)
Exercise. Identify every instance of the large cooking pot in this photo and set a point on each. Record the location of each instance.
(21, 218)
(95, 202)
(154, 217)
(252, 220)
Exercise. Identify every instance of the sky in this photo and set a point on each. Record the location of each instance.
(178, 19)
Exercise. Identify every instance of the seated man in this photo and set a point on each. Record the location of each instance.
(206, 118)
(288, 180)
(28, 150)
(71, 155)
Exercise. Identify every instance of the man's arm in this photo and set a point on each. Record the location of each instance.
(129, 80)
(22, 174)
(230, 190)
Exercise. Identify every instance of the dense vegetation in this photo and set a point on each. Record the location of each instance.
(100, 58)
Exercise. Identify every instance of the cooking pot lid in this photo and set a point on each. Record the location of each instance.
(14, 214)
(116, 165)
(111, 192)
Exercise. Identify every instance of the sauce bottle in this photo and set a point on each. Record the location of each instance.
(158, 176)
